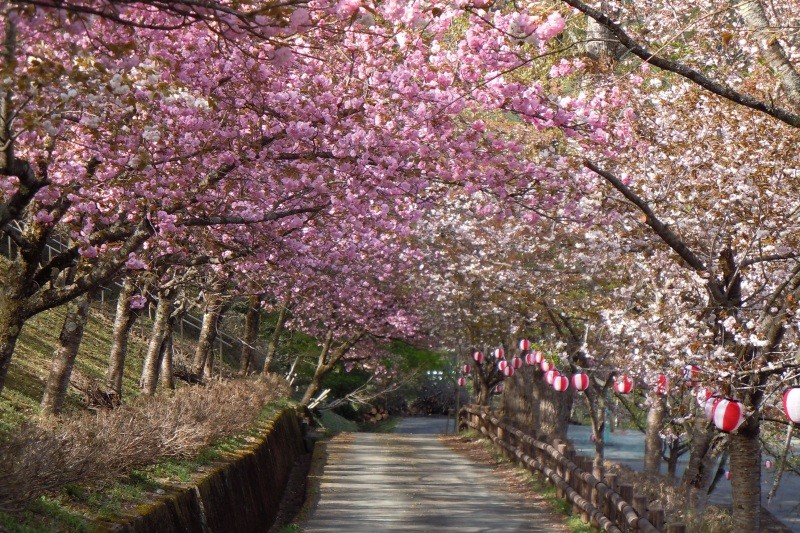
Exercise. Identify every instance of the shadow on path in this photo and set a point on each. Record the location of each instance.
(412, 482)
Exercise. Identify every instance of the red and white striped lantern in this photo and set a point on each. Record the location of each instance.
(462, 382)
(551, 375)
(524, 344)
(560, 383)
(477, 356)
(529, 359)
(662, 384)
(580, 382)
(728, 415)
(545, 365)
(728, 475)
(516, 362)
(498, 388)
(593, 438)
(466, 369)
(502, 364)
(690, 374)
(537, 357)
(623, 384)
(709, 406)
(508, 371)
(499, 353)
(791, 404)
(703, 395)
(768, 464)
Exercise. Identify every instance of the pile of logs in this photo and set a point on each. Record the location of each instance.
(375, 414)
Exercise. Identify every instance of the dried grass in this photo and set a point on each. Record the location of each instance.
(47, 454)
(672, 498)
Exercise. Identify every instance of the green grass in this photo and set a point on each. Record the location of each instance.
(334, 423)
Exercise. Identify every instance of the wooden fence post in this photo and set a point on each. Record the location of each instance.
(608, 508)
(656, 517)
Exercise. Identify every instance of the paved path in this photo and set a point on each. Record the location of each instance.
(412, 482)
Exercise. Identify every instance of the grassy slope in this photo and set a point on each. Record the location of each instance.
(31, 364)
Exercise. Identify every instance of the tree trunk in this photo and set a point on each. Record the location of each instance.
(272, 347)
(319, 372)
(652, 437)
(152, 362)
(123, 322)
(753, 14)
(203, 355)
(698, 474)
(595, 397)
(167, 371)
(11, 322)
(745, 456)
(328, 358)
(64, 357)
(251, 324)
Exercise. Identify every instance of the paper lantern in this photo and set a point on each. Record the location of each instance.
(478, 356)
(524, 344)
(498, 388)
(593, 438)
(662, 384)
(545, 365)
(728, 475)
(466, 369)
(550, 376)
(580, 381)
(791, 404)
(537, 357)
(623, 384)
(508, 371)
(502, 365)
(709, 405)
(690, 374)
(516, 362)
(560, 383)
(462, 382)
(768, 464)
(529, 359)
(499, 353)
(703, 395)
(728, 415)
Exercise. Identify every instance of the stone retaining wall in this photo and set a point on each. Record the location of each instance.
(240, 495)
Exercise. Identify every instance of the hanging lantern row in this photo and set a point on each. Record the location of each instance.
(580, 382)
(623, 384)
(477, 356)
(462, 382)
(545, 365)
(499, 353)
(728, 475)
(768, 464)
(466, 369)
(550, 376)
(498, 388)
(530, 358)
(502, 365)
(662, 384)
(516, 362)
(560, 383)
(727, 414)
(791, 404)
(690, 374)
(524, 344)
(508, 371)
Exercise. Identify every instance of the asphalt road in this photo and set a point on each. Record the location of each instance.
(411, 482)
